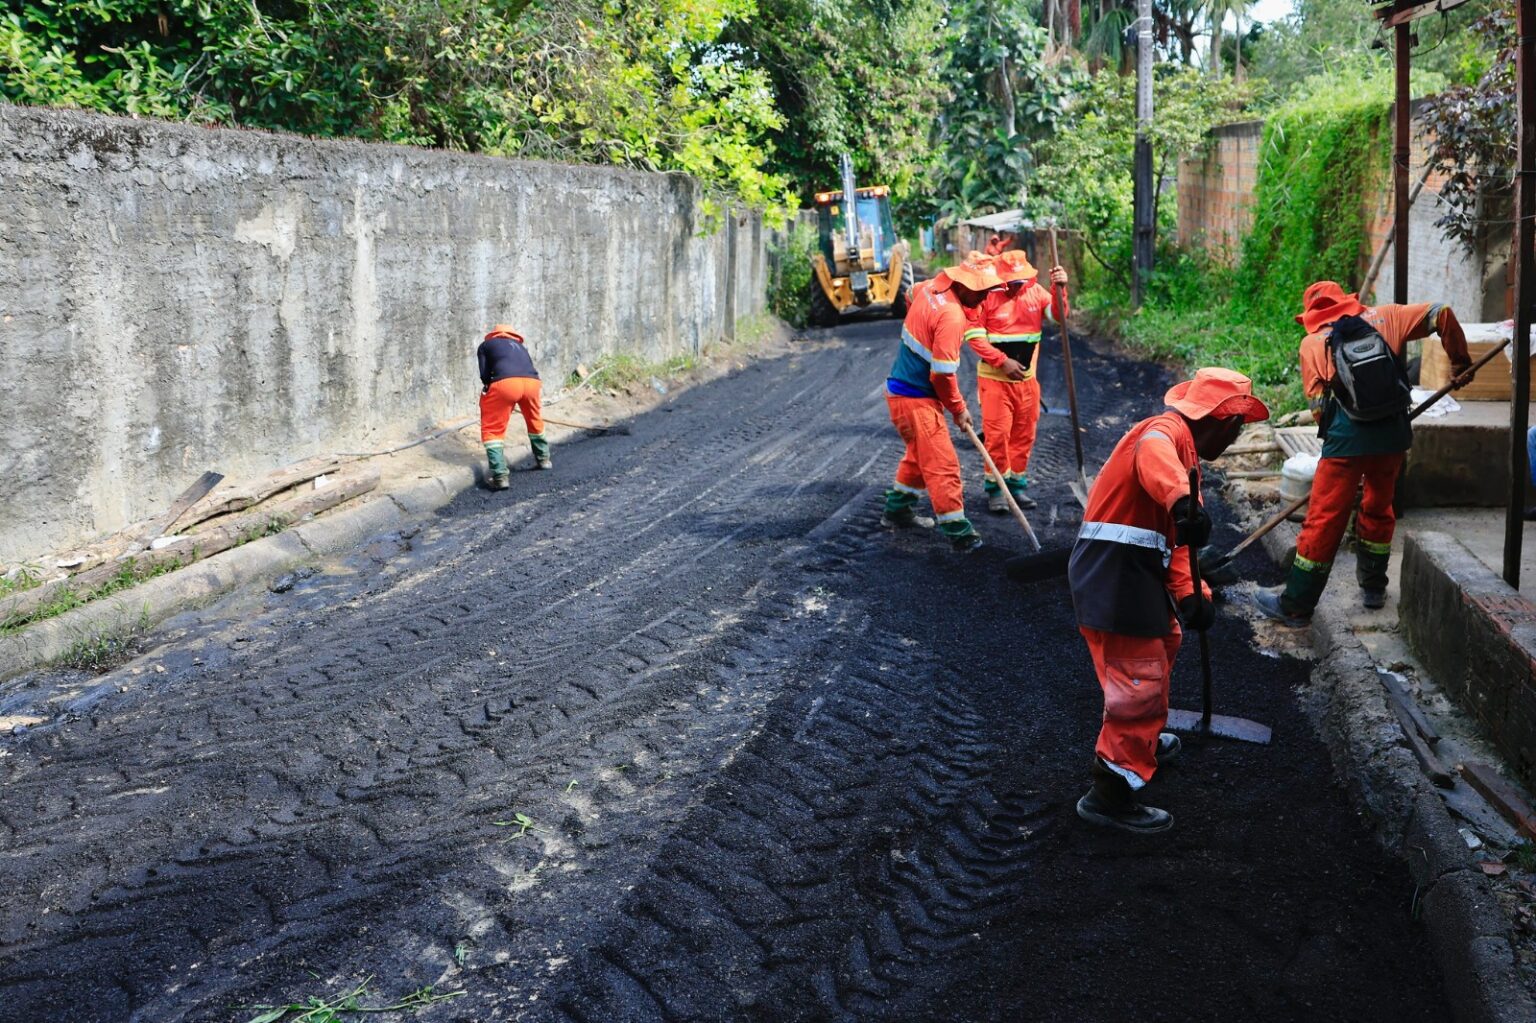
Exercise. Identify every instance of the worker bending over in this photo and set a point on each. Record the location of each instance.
(508, 381)
(1006, 385)
(1131, 583)
(922, 386)
(1363, 420)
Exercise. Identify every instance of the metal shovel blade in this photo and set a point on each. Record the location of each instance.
(1223, 726)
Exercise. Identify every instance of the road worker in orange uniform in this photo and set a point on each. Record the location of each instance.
(508, 381)
(1131, 583)
(1369, 451)
(922, 387)
(1006, 386)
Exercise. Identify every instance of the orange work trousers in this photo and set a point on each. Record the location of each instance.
(1134, 672)
(930, 462)
(1333, 498)
(497, 403)
(1010, 415)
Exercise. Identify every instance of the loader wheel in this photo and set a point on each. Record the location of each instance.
(823, 312)
(899, 303)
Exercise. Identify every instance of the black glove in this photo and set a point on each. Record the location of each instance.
(1185, 534)
(1197, 613)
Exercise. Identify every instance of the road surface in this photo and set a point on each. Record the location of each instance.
(677, 732)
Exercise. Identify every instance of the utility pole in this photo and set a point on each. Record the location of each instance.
(1141, 259)
(1525, 282)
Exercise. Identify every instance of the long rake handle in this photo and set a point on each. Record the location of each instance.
(1013, 505)
(1284, 513)
(1205, 642)
(1066, 366)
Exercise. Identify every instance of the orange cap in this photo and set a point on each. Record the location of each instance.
(1324, 302)
(502, 330)
(976, 273)
(1217, 392)
(1014, 265)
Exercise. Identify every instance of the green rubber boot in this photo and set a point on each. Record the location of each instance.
(1018, 483)
(1371, 561)
(1304, 587)
(496, 458)
(962, 535)
(540, 448)
(996, 504)
(901, 511)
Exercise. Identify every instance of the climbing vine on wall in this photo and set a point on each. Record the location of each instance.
(1320, 168)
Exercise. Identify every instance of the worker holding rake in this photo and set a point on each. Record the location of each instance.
(1353, 369)
(1006, 387)
(1132, 583)
(922, 387)
(508, 381)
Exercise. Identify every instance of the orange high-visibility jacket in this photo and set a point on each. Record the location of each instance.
(935, 330)
(1014, 321)
(1397, 325)
(1124, 566)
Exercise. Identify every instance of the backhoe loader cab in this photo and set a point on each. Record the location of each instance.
(860, 263)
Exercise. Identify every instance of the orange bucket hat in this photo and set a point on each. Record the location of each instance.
(1217, 392)
(1324, 302)
(502, 330)
(977, 273)
(1014, 265)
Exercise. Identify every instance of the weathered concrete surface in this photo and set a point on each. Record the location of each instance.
(1461, 459)
(1477, 637)
(175, 298)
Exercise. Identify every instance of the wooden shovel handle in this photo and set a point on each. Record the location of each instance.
(1013, 505)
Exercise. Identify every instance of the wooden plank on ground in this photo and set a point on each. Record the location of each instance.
(1433, 769)
(1503, 795)
(346, 484)
(1400, 695)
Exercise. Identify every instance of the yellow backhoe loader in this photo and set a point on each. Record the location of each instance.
(861, 263)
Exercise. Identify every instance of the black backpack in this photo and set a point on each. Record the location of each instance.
(1370, 382)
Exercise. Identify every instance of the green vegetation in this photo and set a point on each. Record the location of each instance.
(1322, 160)
(521, 821)
(347, 1006)
(68, 598)
(105, 649)
(790, 274)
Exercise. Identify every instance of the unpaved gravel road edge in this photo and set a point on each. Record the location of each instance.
(1468, 933)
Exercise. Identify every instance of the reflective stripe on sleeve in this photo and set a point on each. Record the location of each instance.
(1135, 536)
(940, 366)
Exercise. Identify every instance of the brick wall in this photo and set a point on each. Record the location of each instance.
(1215, 202)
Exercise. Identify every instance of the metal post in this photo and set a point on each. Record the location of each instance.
(1141, 204)
(1525, 283)
(1401, 154)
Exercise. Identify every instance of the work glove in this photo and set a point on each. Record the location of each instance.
(1186, 534)
(1196, 612)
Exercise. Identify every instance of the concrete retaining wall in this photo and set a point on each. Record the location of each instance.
(177, 298)
(1477, 638)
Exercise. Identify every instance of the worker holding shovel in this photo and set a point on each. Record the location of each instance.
(1353, 368)
(1131, 580)
(1006, 387)
(922, 387)
(509, 381)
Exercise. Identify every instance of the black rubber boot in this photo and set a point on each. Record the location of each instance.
(1112, 804)
(1371, 562)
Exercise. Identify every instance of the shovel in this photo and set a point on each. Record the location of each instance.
(1013, 505)
(1205, 723)
(1079, 486)
(1214, 562)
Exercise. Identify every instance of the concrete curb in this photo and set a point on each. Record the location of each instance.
(145, 606)
(1469, 935)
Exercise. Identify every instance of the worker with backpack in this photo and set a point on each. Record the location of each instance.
(1355, 373)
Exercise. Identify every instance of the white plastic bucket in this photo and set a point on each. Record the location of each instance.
(1296, 479)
